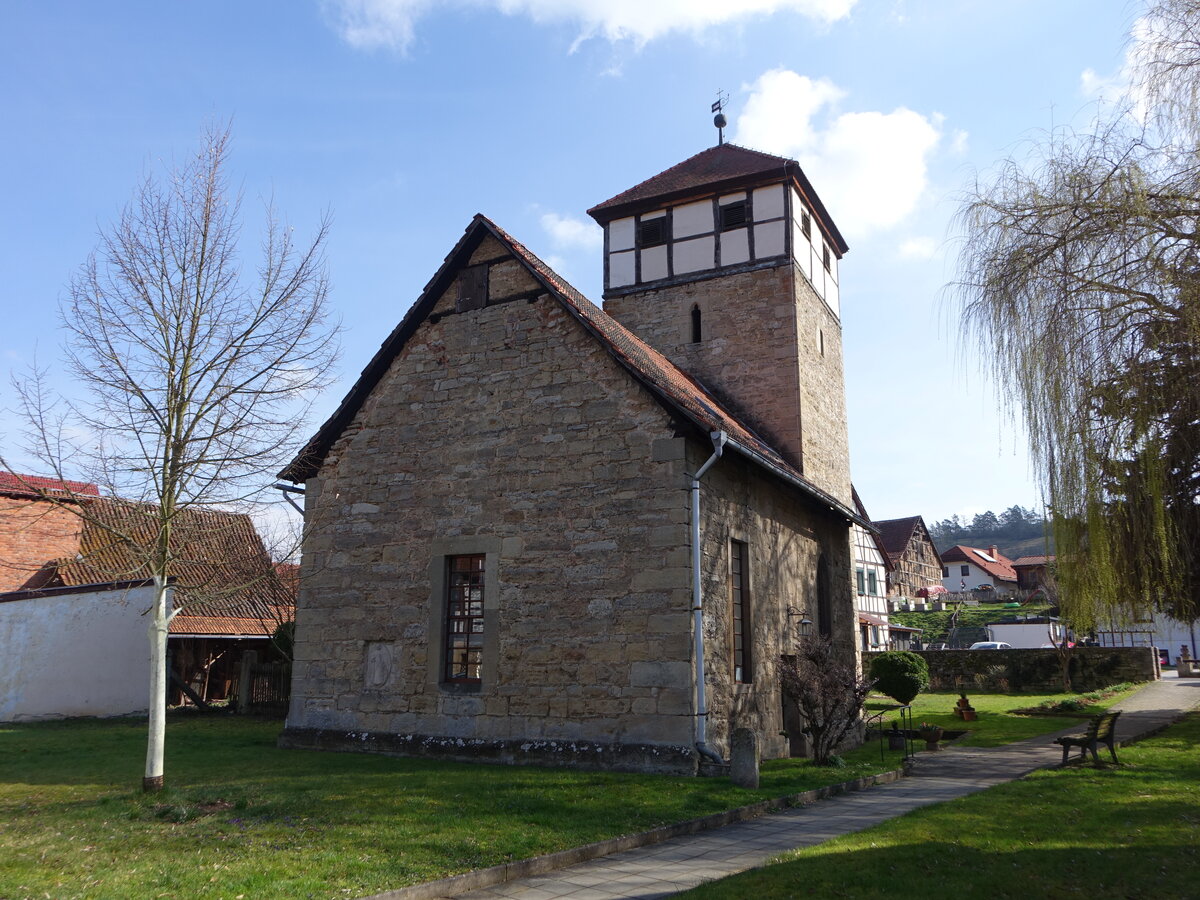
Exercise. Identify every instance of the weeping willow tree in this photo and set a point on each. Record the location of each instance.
(1079, 278)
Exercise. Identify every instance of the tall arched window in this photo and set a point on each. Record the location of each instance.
(824, 599)
(696, 323)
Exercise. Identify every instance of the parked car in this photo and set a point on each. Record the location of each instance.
(985, 587)
(991, 645)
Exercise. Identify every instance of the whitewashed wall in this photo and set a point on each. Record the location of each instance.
(975, 577)
(76, 654)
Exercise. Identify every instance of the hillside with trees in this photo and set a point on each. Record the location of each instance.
(1016, 532)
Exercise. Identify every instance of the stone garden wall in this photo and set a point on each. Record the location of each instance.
(1038, 671)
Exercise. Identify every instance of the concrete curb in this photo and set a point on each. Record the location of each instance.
(539, 865)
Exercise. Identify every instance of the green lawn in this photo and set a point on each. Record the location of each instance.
(1127, 831)
(994, 726)
(244, 817)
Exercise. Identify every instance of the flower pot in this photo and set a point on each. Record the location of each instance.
(931, 737)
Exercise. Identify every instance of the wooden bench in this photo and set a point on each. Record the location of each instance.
(1102, 729)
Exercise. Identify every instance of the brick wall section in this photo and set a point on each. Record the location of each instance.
(506, 430)
(33, 532)
(1038, 671)
(761, 354)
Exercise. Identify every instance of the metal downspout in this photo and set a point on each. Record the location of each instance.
(718, 439)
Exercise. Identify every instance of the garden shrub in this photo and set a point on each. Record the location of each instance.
(900, 674)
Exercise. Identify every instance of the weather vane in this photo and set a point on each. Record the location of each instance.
(719, 119)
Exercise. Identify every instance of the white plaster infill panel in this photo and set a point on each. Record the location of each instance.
(768, 240)
(654, 263)
(692, 218)
(620, 234)
(735, 247)
(79, 653)
(621, 268)
(768, 203)
(694, 255)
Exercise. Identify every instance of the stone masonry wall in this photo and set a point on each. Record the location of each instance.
(763, 333)
(33, 532)
(506, 431)
(785, 538)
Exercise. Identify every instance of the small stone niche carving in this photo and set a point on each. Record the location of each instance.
(379, 664)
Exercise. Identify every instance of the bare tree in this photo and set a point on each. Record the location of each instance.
(1079, 278)
(828, 692)
(194, 376)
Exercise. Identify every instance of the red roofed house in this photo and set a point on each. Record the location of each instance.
(915, 560)
(500, 531)
(75, 598)
(966, 568)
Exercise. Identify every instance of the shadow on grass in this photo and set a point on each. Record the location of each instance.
(945, 869)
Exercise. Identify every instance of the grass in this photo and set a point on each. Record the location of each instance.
(242, 817)
(937, 624)
(1126, 831)
(996, 724)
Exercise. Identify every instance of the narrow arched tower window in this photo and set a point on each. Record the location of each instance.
(696, 323)
(824, 599)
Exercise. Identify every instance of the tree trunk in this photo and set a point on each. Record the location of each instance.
(159, 620)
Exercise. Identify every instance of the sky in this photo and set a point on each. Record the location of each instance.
(401, 119)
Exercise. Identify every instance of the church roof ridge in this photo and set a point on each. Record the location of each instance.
(663, 378)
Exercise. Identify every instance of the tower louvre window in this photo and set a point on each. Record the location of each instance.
(806, 225)
(733, 215)
(825, 256)
(652, 232)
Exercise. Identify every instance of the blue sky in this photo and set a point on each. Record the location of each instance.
(403, 118)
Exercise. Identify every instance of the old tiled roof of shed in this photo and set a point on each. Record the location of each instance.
(221, 572)
(896, 534)
(716, 170)
(659, 375)
(1024, 561)
(998, 566)
(13, 485)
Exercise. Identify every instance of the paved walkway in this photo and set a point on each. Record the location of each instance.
(675, 865)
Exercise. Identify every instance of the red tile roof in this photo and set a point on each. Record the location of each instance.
(998, 566)
(717, 170)
(221, 570)
(658, 374)
(14, 485)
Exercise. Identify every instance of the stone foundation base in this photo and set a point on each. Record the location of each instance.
(662, 759)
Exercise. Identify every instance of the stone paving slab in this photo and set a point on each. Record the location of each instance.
(666, 868)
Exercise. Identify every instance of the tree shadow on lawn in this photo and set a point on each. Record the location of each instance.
(945, 869)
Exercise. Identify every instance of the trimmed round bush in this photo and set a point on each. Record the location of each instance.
(900, 674)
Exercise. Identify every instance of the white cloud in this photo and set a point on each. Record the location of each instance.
(919, 248)
(1106, 88)
(870, 168)
(567, 233)
(392, 23)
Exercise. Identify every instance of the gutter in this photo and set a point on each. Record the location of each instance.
(719, 439)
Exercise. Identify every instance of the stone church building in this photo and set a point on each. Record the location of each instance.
(539, 532)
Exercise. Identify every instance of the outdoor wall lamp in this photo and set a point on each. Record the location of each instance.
(805, 622)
